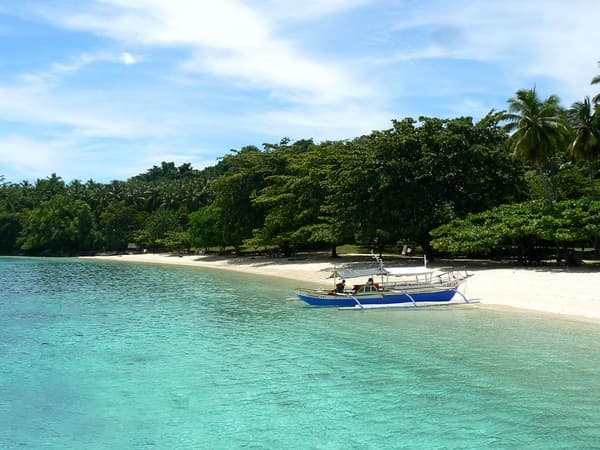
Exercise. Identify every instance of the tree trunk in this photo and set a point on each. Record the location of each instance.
(546, 184)
(592, 170)
(428, 250)
(334, 253)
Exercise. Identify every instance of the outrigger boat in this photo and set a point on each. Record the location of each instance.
(398, 287)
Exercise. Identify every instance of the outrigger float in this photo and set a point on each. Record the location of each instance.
(396, 287)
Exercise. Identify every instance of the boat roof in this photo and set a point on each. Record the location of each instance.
(356, 273)
(389, 271)
(404, 271)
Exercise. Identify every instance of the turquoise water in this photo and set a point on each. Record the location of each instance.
(101, 355)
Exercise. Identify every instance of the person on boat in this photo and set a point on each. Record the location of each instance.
(370, 286)
(339, 287)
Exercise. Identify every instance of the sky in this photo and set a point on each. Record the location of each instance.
(106, 89)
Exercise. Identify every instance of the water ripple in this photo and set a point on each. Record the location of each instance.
(108, 355)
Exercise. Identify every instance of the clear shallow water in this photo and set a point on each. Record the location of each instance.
(105, 355)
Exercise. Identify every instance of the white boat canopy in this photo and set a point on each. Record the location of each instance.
(356, 273)
(376, 271)
(407, 271)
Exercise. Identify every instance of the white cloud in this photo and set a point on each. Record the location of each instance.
(218, 73)
(307, 9)
(35, 105)
(320, 123)
(530, 40)
(225, 38)
(24, 157)
(30, 158)
(127, 58)
(57, 70)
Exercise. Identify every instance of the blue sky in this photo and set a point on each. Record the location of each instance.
(105, 89)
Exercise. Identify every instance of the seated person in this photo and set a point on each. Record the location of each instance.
(339, 287)
(370, 286)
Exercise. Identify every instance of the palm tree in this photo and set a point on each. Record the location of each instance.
(586, 141)
(537, 128)
(596, 80)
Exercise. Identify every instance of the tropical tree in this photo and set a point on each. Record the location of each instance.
(156, 228)
(398, 184)
(47, 188)
(10, 227)
(463, 167)
(596, 80)
(117, 224)
(538, 128)
(529, 230)
(16, 197)
(205, 229)
(320, 197)
(58, 225)
(292, 197)
(585, 145)
(233, 192)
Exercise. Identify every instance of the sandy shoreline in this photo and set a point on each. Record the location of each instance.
(563, 291)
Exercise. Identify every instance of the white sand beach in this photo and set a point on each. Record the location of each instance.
(557, 290)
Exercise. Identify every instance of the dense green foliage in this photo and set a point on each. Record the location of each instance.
(378, 190)
(531, 230)
(58, 225)
(561, 145)
(151, 210)
(518, 183)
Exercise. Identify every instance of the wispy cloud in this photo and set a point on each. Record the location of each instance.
(54, 73)
(32, 104)
(28, 158)
(322, 124)
(163, 79)
(531, 40)
(308, 9)
(128, 59)
(31, 157)
(225, 38)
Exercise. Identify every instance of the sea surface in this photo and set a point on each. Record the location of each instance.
(109, 355)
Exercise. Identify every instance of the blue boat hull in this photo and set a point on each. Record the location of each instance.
(344, 300)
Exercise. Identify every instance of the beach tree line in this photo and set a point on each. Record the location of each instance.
(562, 145)
(518, 183)
(391, 186)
